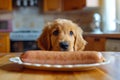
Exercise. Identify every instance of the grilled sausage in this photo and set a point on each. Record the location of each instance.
(59, 57)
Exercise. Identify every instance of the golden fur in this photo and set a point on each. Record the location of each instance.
(61, 30)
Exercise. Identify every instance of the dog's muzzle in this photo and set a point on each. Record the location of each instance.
(64, 45)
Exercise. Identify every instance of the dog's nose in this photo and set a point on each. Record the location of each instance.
(64, 45)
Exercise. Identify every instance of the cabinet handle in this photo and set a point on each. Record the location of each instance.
(2, 8)
(0, 44)
(52, 9)
(0, 37)
(97, 39)
(75, 8)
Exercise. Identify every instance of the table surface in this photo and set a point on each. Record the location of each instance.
(12, 71)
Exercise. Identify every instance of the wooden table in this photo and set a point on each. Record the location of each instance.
(12, 71)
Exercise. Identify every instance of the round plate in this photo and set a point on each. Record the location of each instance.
(75, 67)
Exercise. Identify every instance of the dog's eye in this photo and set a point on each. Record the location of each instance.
(71, 33)
(56, 32)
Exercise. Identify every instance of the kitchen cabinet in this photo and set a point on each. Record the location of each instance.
(52, 5)
(113, 44)
(5, 5)
(73, 4)
(68, 5)
(4, 43)
(102, 41)
(95, 43)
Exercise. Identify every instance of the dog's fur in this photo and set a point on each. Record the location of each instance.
(61, 31)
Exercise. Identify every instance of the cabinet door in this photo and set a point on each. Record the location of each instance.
(6, 5)
(92, 3)
(52, 5)
(95, 43)
(73, 4)
(4, 42)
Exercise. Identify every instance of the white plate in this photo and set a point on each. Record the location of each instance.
(75, 67)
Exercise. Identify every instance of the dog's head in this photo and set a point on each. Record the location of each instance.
(61, 35)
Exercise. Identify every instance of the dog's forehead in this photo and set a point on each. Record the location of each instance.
(64, 25)
(62, 21)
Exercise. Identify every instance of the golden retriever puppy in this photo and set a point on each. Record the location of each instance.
(61, 35)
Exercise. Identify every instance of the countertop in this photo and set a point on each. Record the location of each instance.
(106, 35)
(13, 71)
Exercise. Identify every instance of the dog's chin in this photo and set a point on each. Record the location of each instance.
(65, 49)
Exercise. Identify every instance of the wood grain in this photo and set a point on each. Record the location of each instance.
(12, 71)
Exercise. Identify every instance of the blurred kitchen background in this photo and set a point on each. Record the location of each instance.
(22, 21)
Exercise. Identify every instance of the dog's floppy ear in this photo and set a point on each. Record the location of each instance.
(43, 41)
(79, 41)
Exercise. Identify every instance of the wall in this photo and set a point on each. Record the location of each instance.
(29, 18)
(83, 18)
